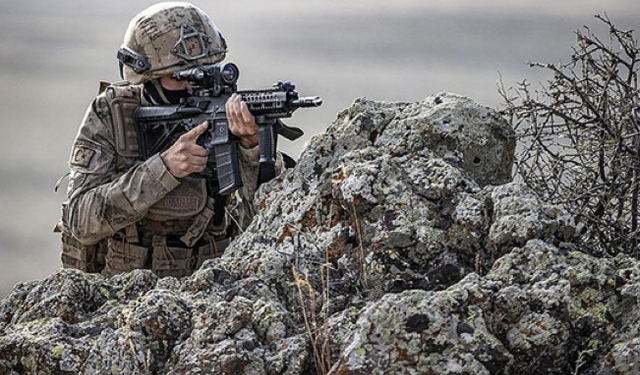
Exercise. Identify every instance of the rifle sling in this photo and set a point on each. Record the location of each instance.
(220, 202)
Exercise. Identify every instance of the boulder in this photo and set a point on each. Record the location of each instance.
(397, 245)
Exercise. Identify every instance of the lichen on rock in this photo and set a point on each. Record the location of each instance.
(397, 245)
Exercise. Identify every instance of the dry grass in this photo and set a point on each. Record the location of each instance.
(316, 330)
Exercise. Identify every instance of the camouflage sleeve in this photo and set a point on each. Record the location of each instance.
(101, 199)
(249, 168)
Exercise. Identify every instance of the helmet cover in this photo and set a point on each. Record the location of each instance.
(168, 37)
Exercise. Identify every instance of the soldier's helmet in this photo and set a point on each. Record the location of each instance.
(168, 37)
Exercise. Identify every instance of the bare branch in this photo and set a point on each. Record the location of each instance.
(580, 137)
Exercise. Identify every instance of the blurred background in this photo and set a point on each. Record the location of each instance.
(54, 53)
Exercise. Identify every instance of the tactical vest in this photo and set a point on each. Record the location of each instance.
(175, 237)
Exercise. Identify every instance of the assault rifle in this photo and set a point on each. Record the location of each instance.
(158, 127)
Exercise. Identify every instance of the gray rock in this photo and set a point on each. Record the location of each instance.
(398, 245)
(539, 310)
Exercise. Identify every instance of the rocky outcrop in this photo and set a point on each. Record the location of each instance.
(398, 245)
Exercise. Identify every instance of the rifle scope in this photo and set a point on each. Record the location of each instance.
(210, 75)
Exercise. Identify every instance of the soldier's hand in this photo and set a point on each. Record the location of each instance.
(185, 156)
(241, 121)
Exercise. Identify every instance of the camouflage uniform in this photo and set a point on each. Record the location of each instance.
(123, 213)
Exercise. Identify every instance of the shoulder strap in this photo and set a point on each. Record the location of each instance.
(124, 98)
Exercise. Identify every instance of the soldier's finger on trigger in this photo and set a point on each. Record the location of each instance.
(200, 129)
(194, 133)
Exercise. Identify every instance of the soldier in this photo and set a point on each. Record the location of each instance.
(123, 213)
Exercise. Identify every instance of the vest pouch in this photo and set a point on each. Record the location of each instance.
(171, 259)
(124, 98)
(211, 249)
(76, 255)
(123, 256)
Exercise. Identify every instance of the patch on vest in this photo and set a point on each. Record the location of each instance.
(179, 203)
(186, 200)
(82, 156)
